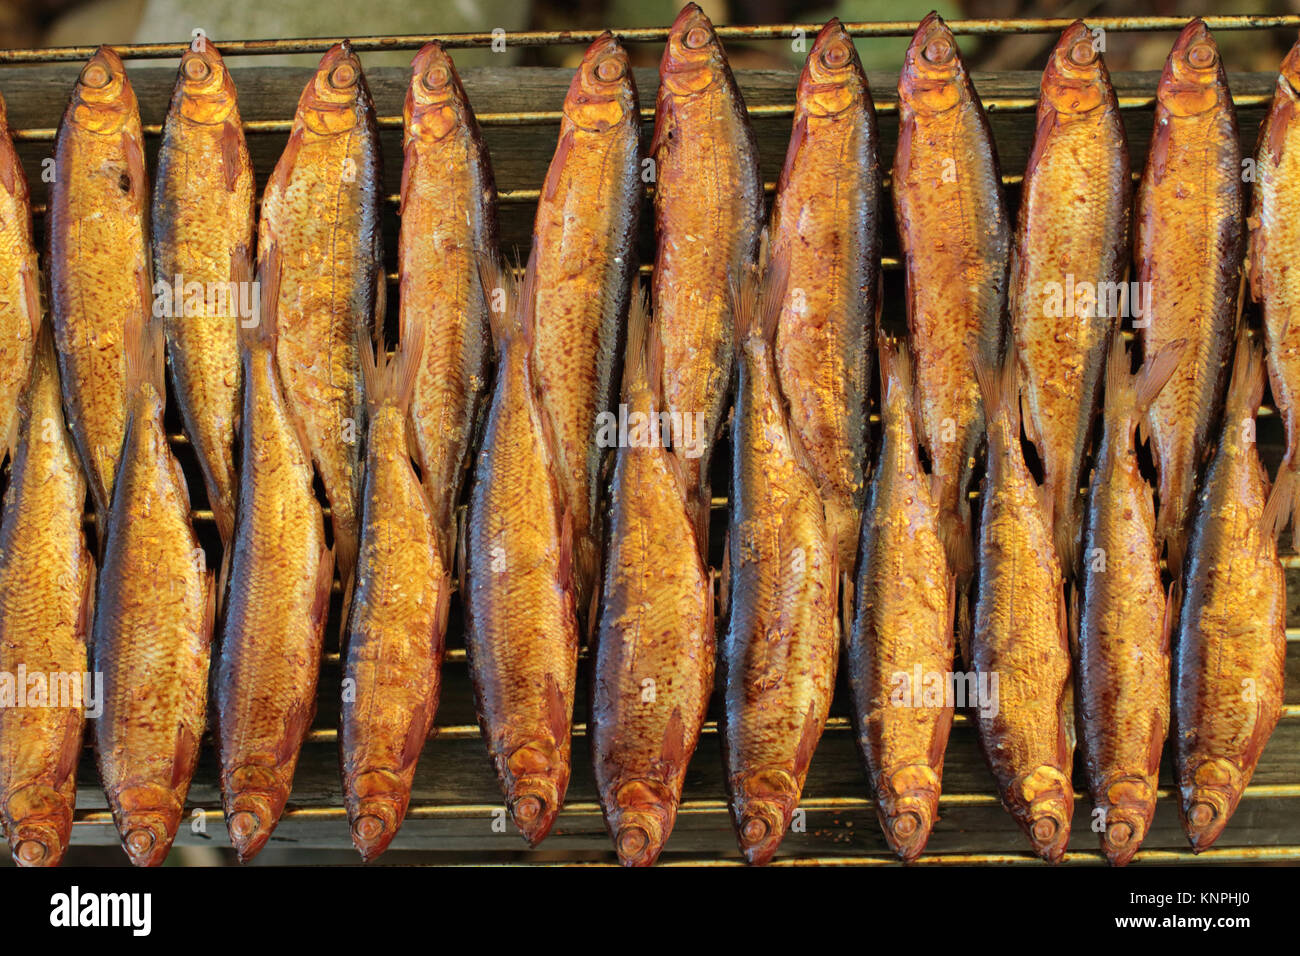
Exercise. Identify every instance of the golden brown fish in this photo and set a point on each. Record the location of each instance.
(202, 260)
(521, 630)
(277, 599)
(708, 213)
(449, 219)
(1230, 644)
(320, 210)
(1020, 648)
(901, 640)
(1068, 267)
(1275, 248)
(827, 215)
(47, 585)
(1189, 256)
(585, 236)
(99, 261)
(655, 644)
(154, 608)
(955, 237)
(782, 641)
(399, 614)
(1124, 621)
(20, 278)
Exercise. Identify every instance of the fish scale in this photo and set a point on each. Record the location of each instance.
(20, 303)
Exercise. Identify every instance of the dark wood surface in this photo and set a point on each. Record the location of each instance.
(457, 811)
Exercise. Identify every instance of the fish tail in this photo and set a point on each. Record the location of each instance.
(958, 541)
(1068, 515)
(1155, 373)
(392, 380)
(1000, 393)
(645, 350)
(262, 331)
(1246, 386)
(511, 305)
(757, 296)
(1283, 503)
(143, 346)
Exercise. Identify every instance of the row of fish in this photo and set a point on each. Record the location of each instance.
(821, 548)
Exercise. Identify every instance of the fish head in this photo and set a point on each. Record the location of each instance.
(147, 816)
(693, 60)
(640, 820)
(435, 100)
(1042, 802)
(763, 803)
(253, 798)
(1075, 80)
(1193, 81)
(1209, 795)
(908, 805)
(38, 821)
(336, 96)
(832, 78)
(1288, 75)
(207, 92)
(103, 100)
(933, 78)
(603, 93)
(1129, 805)
(537, 777)
(376, 807)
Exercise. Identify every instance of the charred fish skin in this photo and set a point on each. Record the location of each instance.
(20, 278)
(1020, 633)
(203, 232)
(1124, 624)
(1070, 257)
(448, 220)
(782, 641)
(903, 624)
(708, 214)
(46, 594)
(277, 599)
(152, 633)
(955, 236)
(1230, 644)
(827, 213)
(1274, 245)
(654, 661)
(1190, 209)
(585, 231)
(398, 616)
(99, 260)
(325, 195)
(522, 632)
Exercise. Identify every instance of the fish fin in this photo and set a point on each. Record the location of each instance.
(955, 534)
(724, 577)
(31, 278)
(812, 731)
(223, 574)
(1246, 386)
(564, 570)
(288, 159)
(409, 161)
(10, 169)
(556, 170)
(1280, 504)
(965, 624)
(86, 611)
(184, 755)
(381, 302)
(507, 322)
(557, 714)
(269, 271)
(798, 136)
(232, 141)
(757, 297)
(145, 353)
(392, 380)
(645, 352)
(135, 167)
(1173, 604)
(846, 600)
(1155, 373)
(324, 583)
(1000, 391)
(1069, 611)
(460, 518)
(672, 752)
(442, 610)
(211, 600)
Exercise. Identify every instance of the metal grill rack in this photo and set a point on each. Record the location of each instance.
(456, 813)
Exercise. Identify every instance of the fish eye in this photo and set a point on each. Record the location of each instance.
(1082, 53)
(836, 55)
(95, 76)
(696, 38)
(343, 76)
(196, 68)
(610, 69)
(1202, 56)
(939, 51)
(436, 77)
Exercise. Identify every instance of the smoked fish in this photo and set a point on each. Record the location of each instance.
(1124, 620)
(521, 626)
(782, 641)
(585, 233)
(1274, 246)
(399, 614)
(278, 594)
(1190, 243)
(203, 233)
(20, 280)
(1230, 643)
(321, 212)
(902, 630)
(1020, 645)
(708, 215)
(827, 214)
(98, 261)
(655, 643)
(154, 607)
(955, 237)
(1068, 266)
(47, 589)
(448, 220)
